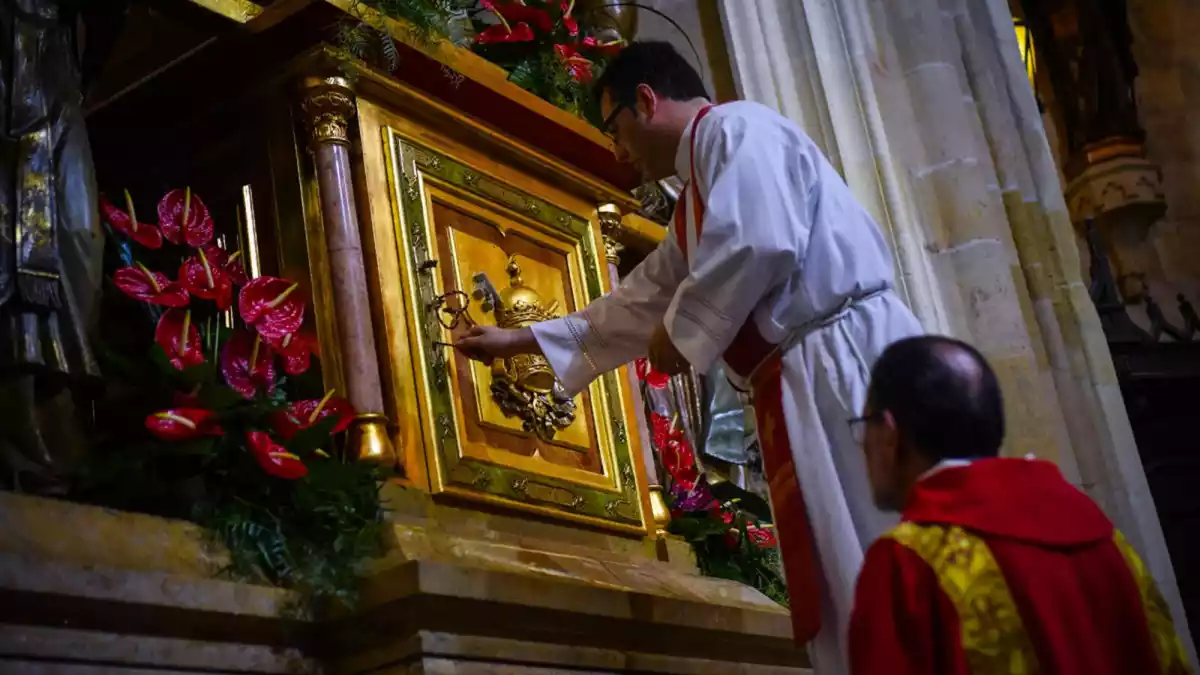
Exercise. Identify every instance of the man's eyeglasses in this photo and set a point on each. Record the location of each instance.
(610, 121)
(858, 426)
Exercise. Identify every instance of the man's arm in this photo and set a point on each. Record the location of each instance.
(895, 623)
(614, 329)
(755, 189)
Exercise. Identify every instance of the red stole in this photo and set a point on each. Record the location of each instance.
(752, 357)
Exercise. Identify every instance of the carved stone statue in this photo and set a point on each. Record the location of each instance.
(51, 246)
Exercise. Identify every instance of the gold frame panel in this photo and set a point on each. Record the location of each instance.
(414, 164)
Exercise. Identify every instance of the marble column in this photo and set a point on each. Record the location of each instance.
(329, 110)
(610, 226)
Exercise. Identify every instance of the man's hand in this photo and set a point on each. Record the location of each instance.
(485, 343)
(663, 355)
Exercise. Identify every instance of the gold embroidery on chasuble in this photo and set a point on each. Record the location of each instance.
(993, 637)
(1167, 646)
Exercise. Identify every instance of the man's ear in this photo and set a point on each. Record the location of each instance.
(647, 101)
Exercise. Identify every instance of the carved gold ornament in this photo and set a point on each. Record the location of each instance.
(610, 226)
(328, 106)
(524, 386)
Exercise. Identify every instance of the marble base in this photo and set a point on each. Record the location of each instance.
(85, 591)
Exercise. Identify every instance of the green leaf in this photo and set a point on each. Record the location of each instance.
(199, 446)
(219, 397)
(312, 438)
(725, 491)
(187, 378)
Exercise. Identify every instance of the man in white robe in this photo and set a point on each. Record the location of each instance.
(770, 257)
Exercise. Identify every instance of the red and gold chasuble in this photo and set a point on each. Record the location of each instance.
(755, 359)
(1004, 567)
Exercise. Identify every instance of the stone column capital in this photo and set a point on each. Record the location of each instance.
(610, 227)
(329, 109)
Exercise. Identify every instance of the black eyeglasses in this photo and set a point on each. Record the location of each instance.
(858, 426)
(607, 125)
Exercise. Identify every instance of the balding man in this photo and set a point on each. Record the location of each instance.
(998, 565)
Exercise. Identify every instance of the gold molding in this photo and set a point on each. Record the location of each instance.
(241, 11)
(328, 106)
(403, 99)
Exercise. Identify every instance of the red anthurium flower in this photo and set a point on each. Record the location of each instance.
(761, 537)
(152, 287)
(577, 66)
(127, 224)
(647, 373)
(248, 364)
(274, 458)
(230, 262)
(179, 338)
(503, 34)
(204, 279)
(304, 414)
(569, 21)
(296, 350)
(271, 306)
(675, 451)
(721, 513)
(605, 48)
(510, 13)
(183, 424)
(184, 219)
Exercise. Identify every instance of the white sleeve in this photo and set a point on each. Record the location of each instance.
(754, 186)
(615, 328)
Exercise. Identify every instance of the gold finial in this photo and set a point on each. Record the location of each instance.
(610, 226)
(514, 272)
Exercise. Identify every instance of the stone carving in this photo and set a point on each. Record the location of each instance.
(524, 386)
(51, 244)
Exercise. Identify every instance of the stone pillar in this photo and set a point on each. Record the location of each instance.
(610, 227)
(784, 55)
(926, 108)
(329, 110)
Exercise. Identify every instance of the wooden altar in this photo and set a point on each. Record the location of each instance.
(524, 540)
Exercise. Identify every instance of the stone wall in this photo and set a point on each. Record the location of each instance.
(1168, 90)
(926, 109)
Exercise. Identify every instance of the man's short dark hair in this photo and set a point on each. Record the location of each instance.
(943, 395)
(656, 64)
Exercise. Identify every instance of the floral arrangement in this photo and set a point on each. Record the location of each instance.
(730, 530)
(260, 471)
(543, 47)
(543, 44)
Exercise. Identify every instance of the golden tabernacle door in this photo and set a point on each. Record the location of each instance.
(476, 241)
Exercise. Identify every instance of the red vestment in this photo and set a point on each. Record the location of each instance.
(1002, 566)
